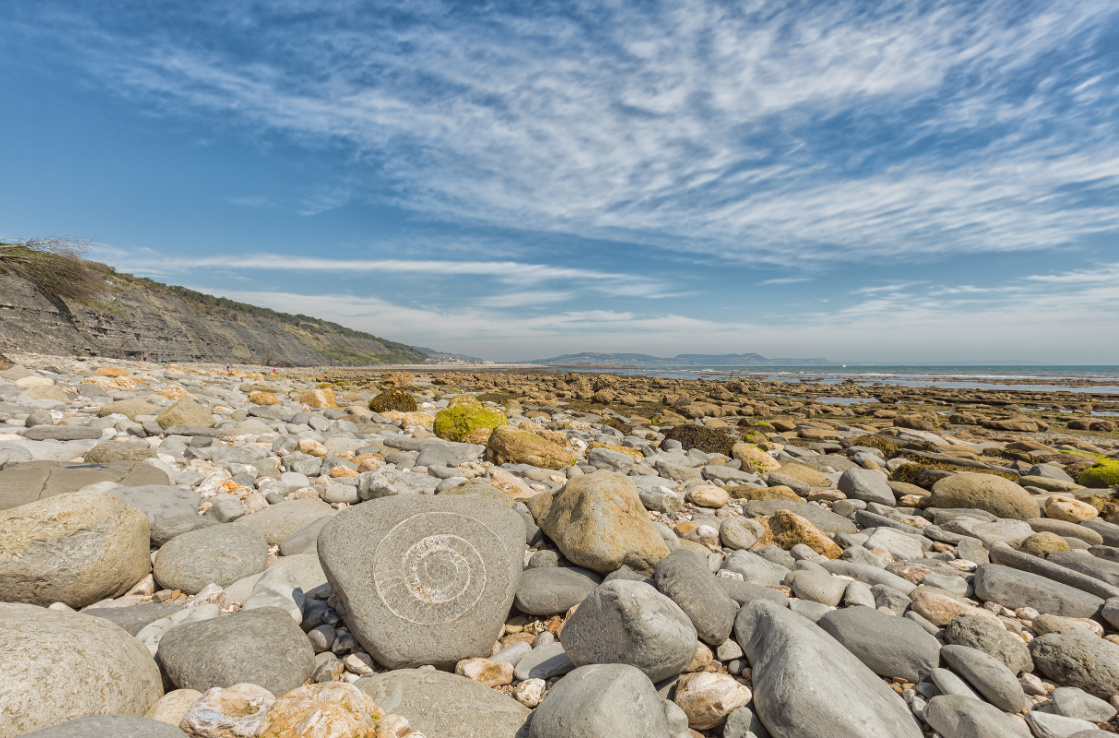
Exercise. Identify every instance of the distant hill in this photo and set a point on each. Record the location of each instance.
(54, 302)
(689, 360)
(444, 357)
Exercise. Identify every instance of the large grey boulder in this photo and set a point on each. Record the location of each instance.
(979, 632)
(219, 554)
(889, 645)
(956, 716)
(424, 580)
(990, 677)
(277, 522)
(1014, 589)
(552, 590)
(988, 492)
(446, 705)
(134, 617)
(868, 485)
(1083, 661)
(111, 726)
(61, 433)
(756, 570)
(77, 548)
(56, 666)
(627, 622)
(601, 701)
(263, 647)
(686, 579)
(807, 685)
(160, 502)
(23, 483)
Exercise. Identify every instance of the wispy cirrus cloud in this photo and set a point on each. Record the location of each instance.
(833, 132)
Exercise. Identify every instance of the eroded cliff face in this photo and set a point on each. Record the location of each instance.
(130, 318)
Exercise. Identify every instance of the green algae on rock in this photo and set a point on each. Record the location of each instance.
(468, 423)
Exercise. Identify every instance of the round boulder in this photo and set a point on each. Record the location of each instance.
(220, 554)
(57, 666)
(626, 622)
(994, 494)
(77, 548)
(263, 647)
(117, 726)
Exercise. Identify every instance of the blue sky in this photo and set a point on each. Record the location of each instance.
(878, 182)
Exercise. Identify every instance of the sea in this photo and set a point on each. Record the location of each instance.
(1038, 378)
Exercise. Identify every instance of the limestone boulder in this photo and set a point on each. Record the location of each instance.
(77, 549)
(57, 666)
(186, 412)
(509, 445)
(598, 522)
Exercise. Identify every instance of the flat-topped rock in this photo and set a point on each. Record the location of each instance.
(219, 554)
(424, 580)
(825, 520)
(27, 482)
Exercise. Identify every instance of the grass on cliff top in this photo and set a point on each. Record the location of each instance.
(55, 266)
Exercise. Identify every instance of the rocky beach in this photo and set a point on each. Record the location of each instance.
(191, 550)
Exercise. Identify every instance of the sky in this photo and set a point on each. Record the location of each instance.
(876, 182)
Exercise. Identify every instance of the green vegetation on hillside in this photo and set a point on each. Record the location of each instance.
(56, 267)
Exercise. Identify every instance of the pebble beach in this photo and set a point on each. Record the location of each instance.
(196, 550)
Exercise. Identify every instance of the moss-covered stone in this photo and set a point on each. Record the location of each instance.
(1043, 544)
(393, 399)
(466, 400)
(1100, 475)
(708, 440)
(509, 445)
(885, 445)
(467, 423)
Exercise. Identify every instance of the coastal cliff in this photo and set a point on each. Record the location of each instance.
(122, 316)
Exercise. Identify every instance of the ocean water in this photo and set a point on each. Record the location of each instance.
(1039, 378)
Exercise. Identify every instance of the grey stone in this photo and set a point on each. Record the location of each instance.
(424, 579)
(166, 528)
(1088, 564)
(220, 554)
(21, 483)
(278, 522)
(56, 666)
(962, 717)
(661, 499)
(1076, 703)
(823, 519)
(61, 433)
(263, 647)
(806, 685)
(601, 701)
(684, 577)
(948, 683)
(1066, 529)
(1048, 725)
(277, 587)
(1110, 612)
(1108, 531)
(625, 622)
(867, 485)
(979, 632)
(159, 502)
(543, 662)
(225, 508)
(755, 569)
(776, 555)
(737, 533)
(554, 590)
(514, 652)
(902, 546)
(133, 618)
(1083, 661)
(305, 568)
(743, 592)
(870, 575)
(743, 723)
(988, 675)
(808, 609)
(390, 482)
(1090, 583)
(890, 646)
(442, 705)
(111, 726)
(449, 454)
(77, 548)
(305, 539)
(1014, 589)
(817, 587)
(153, 632)
(483, 488)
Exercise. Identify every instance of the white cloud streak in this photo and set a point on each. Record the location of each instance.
(694, 126)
